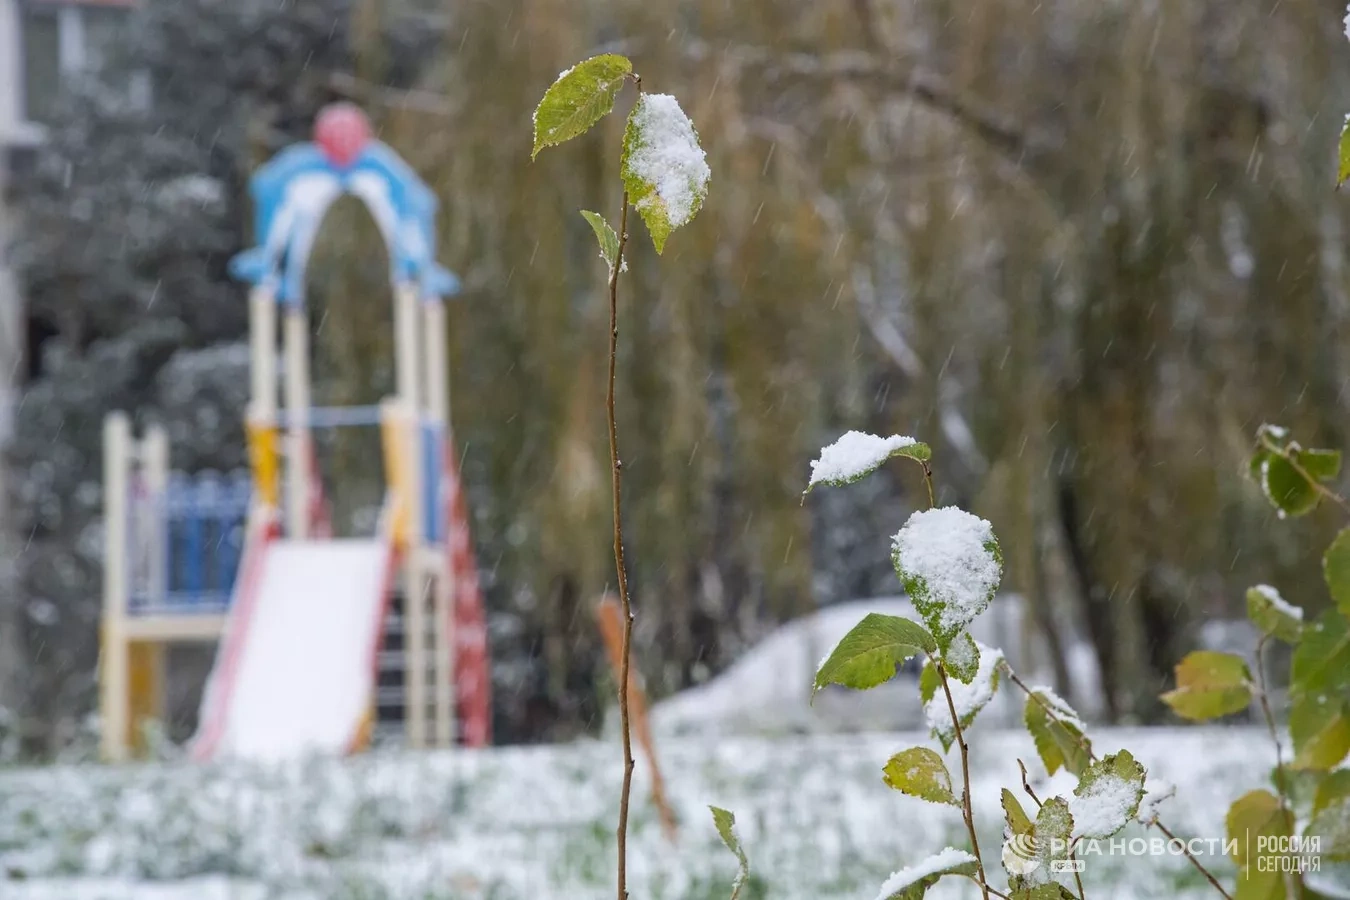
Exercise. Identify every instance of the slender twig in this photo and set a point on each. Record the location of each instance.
(1281, 786)
(1026, 785)
(1087, 748)
(617, 468)
(928, 483)
(966, 810)
(994, 891)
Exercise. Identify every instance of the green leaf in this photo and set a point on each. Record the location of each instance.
(609, 241)
(1334, 787)
(1050, 841)
(726, 829)
(1057, 732)
(1018, 821)
(663, 167)
(1322, 465)
(1336, 570)
(929, 682)
(1255, 815)
(1108, 795)
(1272, 616)
(1052, 891)
(1320, 728)
(856, 454)
(1286, 488)
(1321, 663)
(913, 882)
(870, 653)
(920, 772)
(1210, 685)
(582, 96)
(968, 699)
(1343, 169)
(962, 658)
(1331, 825)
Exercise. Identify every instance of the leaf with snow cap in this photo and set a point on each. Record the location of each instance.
(968, 699)
(912, 882)
(857, 454)
(1331, 826)
(1270, 613)
(962, 658)
(1107, 796)
(869, 654)
(725, 822)
(582, 96)
(1029, 857)
(663, 167)
(604, 234)
(920, 772)
(1057, 731)
(1210, 685)
(950, 564)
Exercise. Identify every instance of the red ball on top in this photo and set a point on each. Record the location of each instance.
(342, 132)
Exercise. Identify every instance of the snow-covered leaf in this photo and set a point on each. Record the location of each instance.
(1107, 796)
(869, 654)
(968, 699)
(1210, 685)
(857, 454)
(1332, 788)
(962, 658)
(1028, 857)
(912, 882)
(1058, 732)
(950, 564)
(920, 772)
(1336, 570)
(609, 241)
(582, 96)
(725, 822)
(663, 167)
(1270, 613)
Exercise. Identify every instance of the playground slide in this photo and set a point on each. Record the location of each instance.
(295, 672)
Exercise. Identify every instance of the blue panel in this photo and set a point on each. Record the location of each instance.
(431, 483)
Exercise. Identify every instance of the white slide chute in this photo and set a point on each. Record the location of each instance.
(295, 674)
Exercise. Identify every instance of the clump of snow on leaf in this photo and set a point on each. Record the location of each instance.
(669, 158)
(1278, 603)
(948, 562)
(967, 698)
(1105, 806)
(912, 875)
(854, 455)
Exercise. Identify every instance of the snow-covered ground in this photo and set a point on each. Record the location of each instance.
(815, 817)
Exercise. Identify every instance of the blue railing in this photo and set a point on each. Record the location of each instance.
(188, 543)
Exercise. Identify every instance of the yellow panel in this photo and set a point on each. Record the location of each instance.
(145, 685)
(393, 436)
(262, 452)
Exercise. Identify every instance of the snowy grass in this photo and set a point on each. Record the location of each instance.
(815, 818)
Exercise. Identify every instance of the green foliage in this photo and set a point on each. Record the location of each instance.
(582, 96)
(917, 451)
(1270, 619)
(609, 241)
(1334, 787)
(1319, 716)
(1331, 823)
(920, 772)
(1117, 784)
(1051, 835)
(725, 822)
(662, 166)
(1290, 476)
(1018, 821)
(1057, 732)
(949, 605)
(974, 698)
(1336, 570)
(1257, 814)
(1052, 891)
(1343, 167)
(869, 654)
(1210, 685)
(962, 658)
